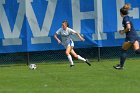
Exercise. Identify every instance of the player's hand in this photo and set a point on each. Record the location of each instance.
(59, 42)
(82, 39)
(121, 32)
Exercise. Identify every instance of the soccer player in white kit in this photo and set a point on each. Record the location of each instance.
(65, 33)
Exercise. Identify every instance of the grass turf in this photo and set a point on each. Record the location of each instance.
(60, 78)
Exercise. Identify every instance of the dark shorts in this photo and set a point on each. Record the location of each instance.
(131, 39)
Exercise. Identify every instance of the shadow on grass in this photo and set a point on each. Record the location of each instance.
(5, 66)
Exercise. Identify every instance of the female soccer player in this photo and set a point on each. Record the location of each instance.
(65, 33)
(131, 36)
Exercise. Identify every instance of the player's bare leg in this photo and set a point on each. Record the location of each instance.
(68, 49)
(79, 57)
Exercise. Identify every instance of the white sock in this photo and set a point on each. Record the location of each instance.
(81, 58)
(70, 59)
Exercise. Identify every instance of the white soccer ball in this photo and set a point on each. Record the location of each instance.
(32, 66)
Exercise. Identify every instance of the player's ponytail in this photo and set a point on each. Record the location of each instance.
(125, 8)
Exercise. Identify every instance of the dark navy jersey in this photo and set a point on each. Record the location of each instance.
(131, 33)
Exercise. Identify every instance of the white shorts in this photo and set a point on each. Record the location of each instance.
(71, 43)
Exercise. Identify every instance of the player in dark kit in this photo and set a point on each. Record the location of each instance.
(131, 36)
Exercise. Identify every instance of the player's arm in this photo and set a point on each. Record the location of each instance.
(58, 40)
(80, 37)
(128, 27)
(55, 36)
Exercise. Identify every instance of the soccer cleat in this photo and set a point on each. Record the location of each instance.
(71, 65)
(119, 67)
(87, 61)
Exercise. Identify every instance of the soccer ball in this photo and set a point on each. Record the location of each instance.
(32, 66)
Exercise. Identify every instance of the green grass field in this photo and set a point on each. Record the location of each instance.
(60, 78)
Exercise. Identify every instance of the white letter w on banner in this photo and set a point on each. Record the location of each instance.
(40, 35)
(12, 37)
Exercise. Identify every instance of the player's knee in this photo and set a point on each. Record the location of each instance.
(67, 53)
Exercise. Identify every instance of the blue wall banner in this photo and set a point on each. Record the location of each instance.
(29, 25)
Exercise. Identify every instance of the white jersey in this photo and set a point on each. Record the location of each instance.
(66, 36)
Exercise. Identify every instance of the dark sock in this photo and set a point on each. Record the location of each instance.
(137, 51)
(123, 57)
